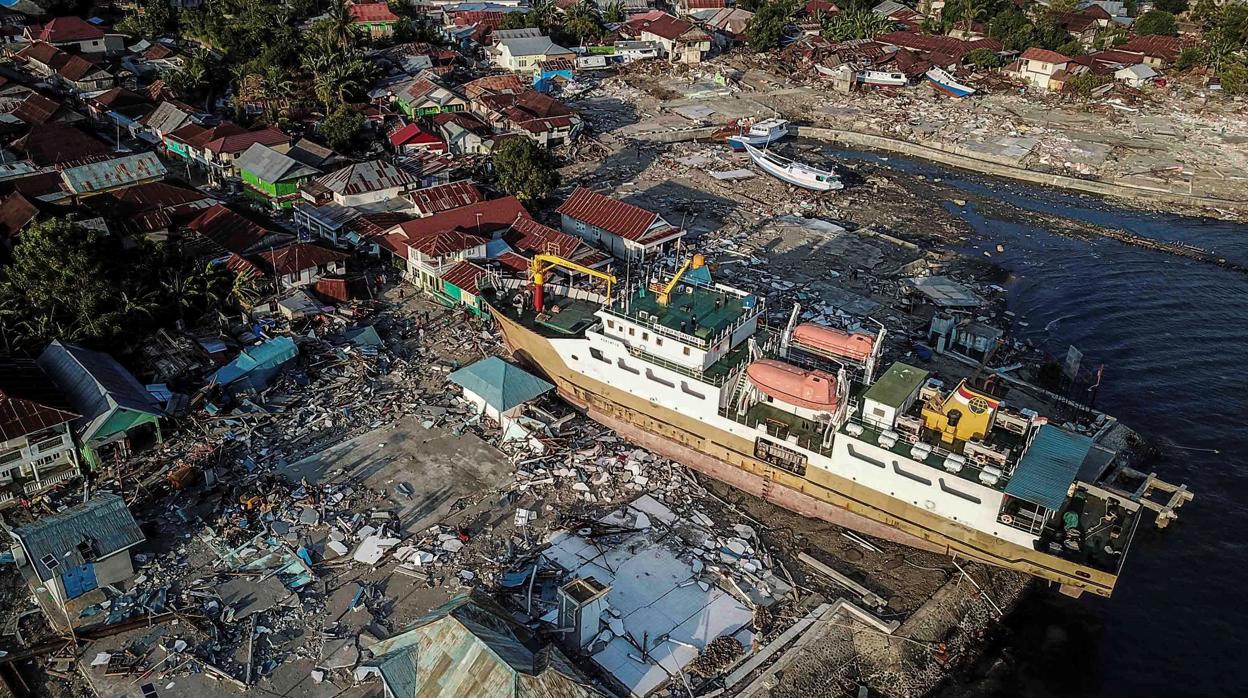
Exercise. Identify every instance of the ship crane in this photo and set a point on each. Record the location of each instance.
(543, 263)
(697, 261)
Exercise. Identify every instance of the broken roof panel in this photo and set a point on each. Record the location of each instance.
(29, 400)
(268, 165)
(945, 292)
(100, 526)
(113, 174)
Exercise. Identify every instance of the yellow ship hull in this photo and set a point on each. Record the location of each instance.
(820, 494)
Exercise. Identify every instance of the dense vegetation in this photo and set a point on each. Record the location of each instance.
(78, 284)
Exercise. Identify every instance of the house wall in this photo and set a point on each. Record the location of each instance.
(33, 457)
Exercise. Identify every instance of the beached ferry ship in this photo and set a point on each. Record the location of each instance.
(805, 417)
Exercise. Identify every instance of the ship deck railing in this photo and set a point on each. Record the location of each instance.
(785, 427)
(936, 459)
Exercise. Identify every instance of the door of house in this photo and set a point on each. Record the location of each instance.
(78, 580)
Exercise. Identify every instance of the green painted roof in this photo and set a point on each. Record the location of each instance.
(1050, 464)
(899, 382)
(502, 385)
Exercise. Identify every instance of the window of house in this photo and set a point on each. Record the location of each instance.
(11, 456)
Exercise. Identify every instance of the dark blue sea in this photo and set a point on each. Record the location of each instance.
(1173, 336)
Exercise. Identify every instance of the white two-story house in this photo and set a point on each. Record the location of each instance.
(1038, 66)
(36, 442)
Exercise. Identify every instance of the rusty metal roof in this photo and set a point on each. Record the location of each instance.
(113, 174)
(445, 197)
(29, 400)
(616, 217)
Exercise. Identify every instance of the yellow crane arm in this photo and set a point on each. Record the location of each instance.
(544, 262)
(696, 261)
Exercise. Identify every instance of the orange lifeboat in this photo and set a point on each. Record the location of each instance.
(856, 346)
(814, 390)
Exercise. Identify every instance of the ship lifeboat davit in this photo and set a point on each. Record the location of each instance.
(814, 390)
(856, 346)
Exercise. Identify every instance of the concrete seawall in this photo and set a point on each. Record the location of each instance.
(1179, 194)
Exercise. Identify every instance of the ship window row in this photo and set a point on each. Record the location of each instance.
(650, 374)
(626, 367)
(597, 354)
(684, 386)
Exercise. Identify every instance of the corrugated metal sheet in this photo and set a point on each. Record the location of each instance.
(445, 197)
(95, 384)
(365, 177)
(268, 165)
(29, 400)
(113, 174)
(502, 385)
(625, 220)
(1049, 466)
(103, 522)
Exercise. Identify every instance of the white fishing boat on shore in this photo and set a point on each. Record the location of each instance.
(795, 173)
(881, 77)
(944, 82)
(761, 133)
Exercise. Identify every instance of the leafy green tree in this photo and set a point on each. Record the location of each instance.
(1082, 85)
(70, 282)
(1174, 7)
(152, 18)
(614, 13)
(1234, 79)
(342, 128)
(1205, 12)
(1157, 23)
(859, 23)
(766, 27)
(583, 21)
(1190, 57)
(982, 58)
(518, 20)
(525, 169)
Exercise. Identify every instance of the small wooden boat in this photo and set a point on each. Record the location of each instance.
(762, 133)
(944, 82)
(880, 77)
(795, 173)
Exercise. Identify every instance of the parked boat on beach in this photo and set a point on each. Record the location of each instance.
(762, 133)
(944, 82)
(795, 173)
(881, 77)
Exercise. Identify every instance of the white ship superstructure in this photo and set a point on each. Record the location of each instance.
(686, 359)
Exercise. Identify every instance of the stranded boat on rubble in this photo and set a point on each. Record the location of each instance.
(794, 172)
(800, 418)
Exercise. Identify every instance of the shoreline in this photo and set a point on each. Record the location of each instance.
(1146, 198)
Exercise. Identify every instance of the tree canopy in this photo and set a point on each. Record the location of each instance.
(79, 284)
(1156, 22)
(341, 128)
(525, 169)
(766, 27)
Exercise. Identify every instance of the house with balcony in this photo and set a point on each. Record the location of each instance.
(117, 416)
(681, 40)
(628, 232)
(428, 247)
(36, 442)
(373, 19)
(301, 264)
(425, 95)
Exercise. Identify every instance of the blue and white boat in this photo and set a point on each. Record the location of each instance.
(795, 173)
(944, 82)
(762, 133)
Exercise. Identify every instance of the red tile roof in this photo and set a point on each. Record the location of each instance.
(484, 217)
(439, 243)
(509, 83)
(57, 143)
(1043, 55)
(927, 43)
(445, 197)
(16, 212)
(65, 29)
(661, 24)
(1163, 47)
(512, 261)
(541, 239)
(237, 143)
(465, 276)
(75, 68)
(371, 225)
(29, 400)
(36, 109)
(230, 230)
(622, 219)
(41, 52)
(705, 4)
(815, 6)
(157, 51)
(152, 195)
(372, 12)
(411, 134)
(42, 184)
(296, 258)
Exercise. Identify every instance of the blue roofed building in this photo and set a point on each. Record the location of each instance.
(255, 367)
(76, 551)
(470, 646)
(114, 173)
(118, 415)
(499, 389)
(1049, 467)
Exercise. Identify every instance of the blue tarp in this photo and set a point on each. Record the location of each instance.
(255, 367)
(1049, 466)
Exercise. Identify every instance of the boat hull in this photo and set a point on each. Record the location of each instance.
(779, 172)
(945, 83)
(821, 494)
(739, 141)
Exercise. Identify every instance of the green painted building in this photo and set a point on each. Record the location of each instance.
(118, 417)
(272, 177)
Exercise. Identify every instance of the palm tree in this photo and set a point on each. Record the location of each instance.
(614, 12)
(339, 24)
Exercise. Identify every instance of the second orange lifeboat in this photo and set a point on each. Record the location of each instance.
(829, 340)
(814, 390)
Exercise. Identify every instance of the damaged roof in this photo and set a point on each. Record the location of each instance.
(268, 165)
(100, 526)
(445, 197)
(365, 177)
(296, 258)
(96, 385)
(29, 400)
(113, 174)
